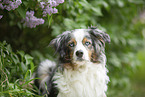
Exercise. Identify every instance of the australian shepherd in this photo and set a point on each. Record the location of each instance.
(81, 68)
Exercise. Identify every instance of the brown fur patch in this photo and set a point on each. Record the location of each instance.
(71, 49)
(87, 40)
(70, 66)
(94, 57)
(90, 54)
(72, 41)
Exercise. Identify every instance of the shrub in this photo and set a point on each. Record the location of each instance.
(16, 72)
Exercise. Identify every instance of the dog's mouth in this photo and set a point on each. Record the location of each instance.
(80, 59)
(76, 64)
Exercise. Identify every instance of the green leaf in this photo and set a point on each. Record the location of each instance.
(15, 58)
(85, 4)
(23, 67)
(21, 11)
(28, 59)
(9, 48)
(21, 53)
(49, 19)
(27, 82)
(97, 11)
(26, 75)
(25, 3)
(32, 66)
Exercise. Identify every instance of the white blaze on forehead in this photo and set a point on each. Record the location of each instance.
(79, 35)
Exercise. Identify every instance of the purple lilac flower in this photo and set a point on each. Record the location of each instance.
(9, 5)
(59, 1)
(32, 21)
(42, 4)
(1, 16)
(48, 7)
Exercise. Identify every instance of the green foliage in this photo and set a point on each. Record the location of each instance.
(123, 20)
(16, 72)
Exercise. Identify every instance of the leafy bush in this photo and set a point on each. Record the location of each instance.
(16, 72)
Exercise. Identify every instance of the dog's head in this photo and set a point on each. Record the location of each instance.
(81, 45)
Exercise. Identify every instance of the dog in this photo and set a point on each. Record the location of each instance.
(81, 68)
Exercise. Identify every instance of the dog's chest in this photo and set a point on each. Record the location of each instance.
(89, 82)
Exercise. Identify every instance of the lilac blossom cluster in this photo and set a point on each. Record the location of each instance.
(9, 5)
(48, 6)
(32, 21)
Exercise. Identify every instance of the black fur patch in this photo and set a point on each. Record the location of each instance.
(99, 38)
(60, 45)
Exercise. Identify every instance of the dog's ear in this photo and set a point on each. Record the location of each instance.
(100, 35)
(59, 42)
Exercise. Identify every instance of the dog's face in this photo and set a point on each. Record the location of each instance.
(80, 45)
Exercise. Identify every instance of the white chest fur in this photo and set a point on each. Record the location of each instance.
(89, 81)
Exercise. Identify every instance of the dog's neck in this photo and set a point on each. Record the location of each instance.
(88, 81)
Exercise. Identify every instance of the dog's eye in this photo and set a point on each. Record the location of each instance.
(71, 44)
(87, 43)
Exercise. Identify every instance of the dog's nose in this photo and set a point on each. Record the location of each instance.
(79, 53)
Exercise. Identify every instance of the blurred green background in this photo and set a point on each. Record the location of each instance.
(22, 48)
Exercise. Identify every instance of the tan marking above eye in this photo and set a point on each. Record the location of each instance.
(72, 43)
(86, 41)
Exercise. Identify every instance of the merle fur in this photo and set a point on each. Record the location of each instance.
(60, 45)
(98, 37)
